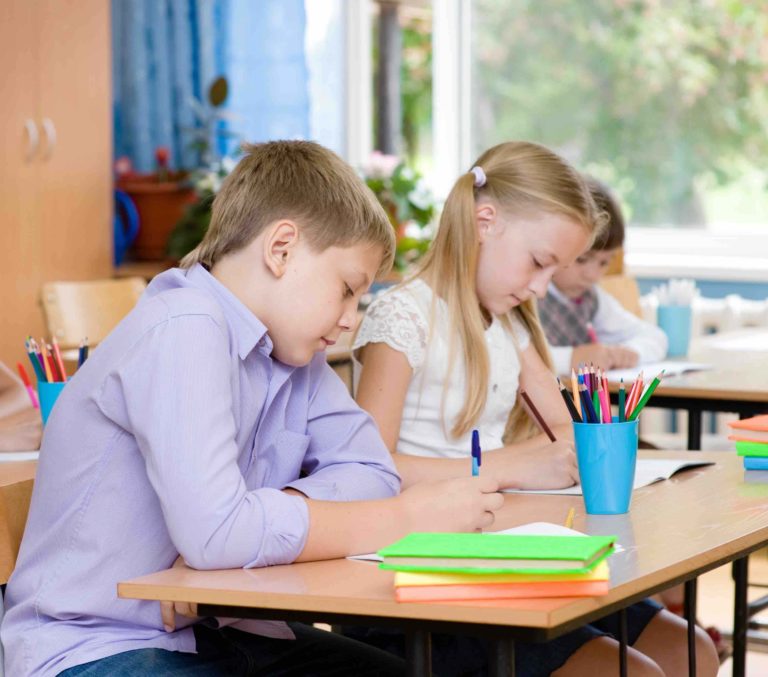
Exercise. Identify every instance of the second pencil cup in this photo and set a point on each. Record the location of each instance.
(48, 393)
(675, 322)
(607, 456)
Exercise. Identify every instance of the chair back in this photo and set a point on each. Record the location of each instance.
(624, 288)
(91, 309)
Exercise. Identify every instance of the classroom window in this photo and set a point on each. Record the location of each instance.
(665, 101)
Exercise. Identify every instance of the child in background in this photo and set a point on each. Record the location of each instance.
(446, 352)
(209, 427)
(574, 301)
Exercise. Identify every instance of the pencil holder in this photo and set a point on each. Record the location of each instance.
(675, 322)
(607, 455)
(47, 394)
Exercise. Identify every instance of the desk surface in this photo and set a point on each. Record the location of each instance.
(674, 528)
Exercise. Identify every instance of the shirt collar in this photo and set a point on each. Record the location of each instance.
(560, 296)
(249, 331)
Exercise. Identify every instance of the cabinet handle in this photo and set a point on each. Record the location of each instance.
(33, 138)
(50, 137)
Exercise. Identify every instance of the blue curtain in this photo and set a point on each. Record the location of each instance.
(165, 52)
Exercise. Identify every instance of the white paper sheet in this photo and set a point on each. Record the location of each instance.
(651, 369)
(9, 456)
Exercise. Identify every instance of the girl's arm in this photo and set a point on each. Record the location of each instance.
(381, 391)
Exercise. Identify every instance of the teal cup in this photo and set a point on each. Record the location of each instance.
(48, 393)
(607, 455)
(675, 322)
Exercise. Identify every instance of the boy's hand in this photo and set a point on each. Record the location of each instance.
(168, 610)
(604, 356)
(466, 504)
(552, 466)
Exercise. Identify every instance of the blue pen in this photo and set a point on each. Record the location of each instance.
(477, 454)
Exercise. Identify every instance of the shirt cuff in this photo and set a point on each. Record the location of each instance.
(286, 524)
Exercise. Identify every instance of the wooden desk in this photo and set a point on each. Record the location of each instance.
(738, 383)
(663, 545)
(16, 482)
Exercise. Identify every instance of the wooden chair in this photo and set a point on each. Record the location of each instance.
(91, 309)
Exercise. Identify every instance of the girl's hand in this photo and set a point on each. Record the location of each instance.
(604, 356)
(168, 610)
(552, 466)
(466, 504)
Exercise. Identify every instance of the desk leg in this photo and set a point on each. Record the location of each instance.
(502, 658)
(694, 428)
(740, 617)
(623, 643)
(418, 653)
(689, 605)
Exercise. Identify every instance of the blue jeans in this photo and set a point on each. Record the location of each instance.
(233, 652)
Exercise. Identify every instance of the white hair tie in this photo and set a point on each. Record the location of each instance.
(480, 177)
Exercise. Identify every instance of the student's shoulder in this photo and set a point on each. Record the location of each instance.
(414, 296)
(179, 307)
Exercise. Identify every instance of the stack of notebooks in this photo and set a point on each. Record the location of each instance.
(751, 436)
(448, 566)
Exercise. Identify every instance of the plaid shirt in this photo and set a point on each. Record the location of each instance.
(565, 321)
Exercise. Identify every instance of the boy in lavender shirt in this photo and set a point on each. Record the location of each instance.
(208, 428)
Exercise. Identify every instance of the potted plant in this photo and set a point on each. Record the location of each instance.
(408, 202)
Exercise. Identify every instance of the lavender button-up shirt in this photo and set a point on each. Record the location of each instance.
(176, 437)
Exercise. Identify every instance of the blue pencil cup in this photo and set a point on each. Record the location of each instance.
(48, 393)
(675, 322)
(607, 455)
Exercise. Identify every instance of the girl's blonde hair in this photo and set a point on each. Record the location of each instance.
(298, 180)
(520, 178)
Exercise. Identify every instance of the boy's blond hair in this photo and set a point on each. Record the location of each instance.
(300, 181)
(521, 178)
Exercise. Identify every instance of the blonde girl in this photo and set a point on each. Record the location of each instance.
(448, 350)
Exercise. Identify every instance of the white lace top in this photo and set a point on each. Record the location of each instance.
(400, 318)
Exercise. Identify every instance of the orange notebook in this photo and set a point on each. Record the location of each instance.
(753, 429)
(434, 593)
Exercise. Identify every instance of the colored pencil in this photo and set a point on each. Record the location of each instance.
(569, 519)
(591, 333)
(574, 385)
(35, 363)
(59, 360)
(27, 384)
(587, 403)
(605, 403)
(646, 396)
(597, 405)
(46, 364)
(536, 415)
(622, 402)
(569, 403)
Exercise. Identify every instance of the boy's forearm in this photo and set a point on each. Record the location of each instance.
(339, 529)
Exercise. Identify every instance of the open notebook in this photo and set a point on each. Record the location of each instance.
(647, 472)
(650, 369)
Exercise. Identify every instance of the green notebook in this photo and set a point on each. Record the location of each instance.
(752, 448)
(496, 553)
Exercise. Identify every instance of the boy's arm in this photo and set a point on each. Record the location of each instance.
(615, 325)
(346, 459)
(173, 393)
